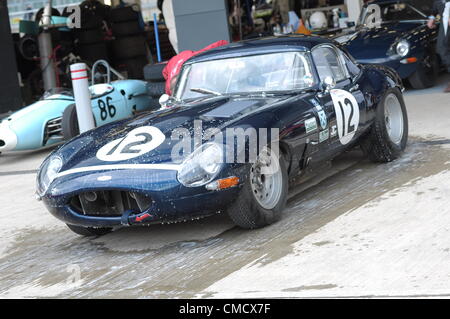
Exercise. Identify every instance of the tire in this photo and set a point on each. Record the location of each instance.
(89, 21)
(154, 72)
(247, 212)
(69, 123)
(28, 47)
(95, 8)
(93, 52)
(124, 14)
(379, 145)
(426, 73)
(130, 47)
(134, 67)
(156, 89)
(127, 28)
(90, 36)
(89, 231)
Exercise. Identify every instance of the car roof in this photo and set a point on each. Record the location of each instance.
(266, 45)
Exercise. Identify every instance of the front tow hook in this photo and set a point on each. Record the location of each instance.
(130, 217)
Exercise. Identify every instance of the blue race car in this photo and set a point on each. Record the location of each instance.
(394, 33)
(53, 119)
(246, 121)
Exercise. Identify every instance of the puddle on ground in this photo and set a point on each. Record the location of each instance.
(187, 234)
(181, 260)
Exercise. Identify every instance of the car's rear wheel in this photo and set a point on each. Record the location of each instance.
(264, 193)
(426, 73)
(69, 122)
(89, 231)
(389, 133)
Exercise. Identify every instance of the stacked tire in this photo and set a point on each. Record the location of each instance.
(90, 37)
(129, 47)
(156, 82)
(166, 47)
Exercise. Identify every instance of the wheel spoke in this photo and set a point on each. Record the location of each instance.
(266, 187)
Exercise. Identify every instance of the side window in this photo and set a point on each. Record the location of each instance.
(352, 66)
(328, 64)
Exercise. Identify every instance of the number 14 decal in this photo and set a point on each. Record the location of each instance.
(347, 114)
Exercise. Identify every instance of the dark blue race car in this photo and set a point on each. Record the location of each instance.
(394, 33)
(246, 122)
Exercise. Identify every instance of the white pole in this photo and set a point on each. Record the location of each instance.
(82, 96)
(46, 50)
(354, 9)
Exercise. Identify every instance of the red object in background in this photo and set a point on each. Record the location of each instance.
(174, 65)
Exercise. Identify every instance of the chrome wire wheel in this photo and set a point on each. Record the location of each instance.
(266, 179)
(393, 118)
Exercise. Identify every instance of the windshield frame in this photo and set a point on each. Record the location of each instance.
(185, 71)
(363, 13)
(59, 92)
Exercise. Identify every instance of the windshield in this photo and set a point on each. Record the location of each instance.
(274, 72)
(57, 91)
(388, 12)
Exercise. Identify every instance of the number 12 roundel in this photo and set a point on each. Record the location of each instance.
(137, 142)
(347, 114)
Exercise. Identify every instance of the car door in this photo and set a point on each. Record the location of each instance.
(339, 106)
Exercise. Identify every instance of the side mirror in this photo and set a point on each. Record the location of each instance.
(328, 83)
(165, 101)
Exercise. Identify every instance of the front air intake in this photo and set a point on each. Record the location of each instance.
(110, 203)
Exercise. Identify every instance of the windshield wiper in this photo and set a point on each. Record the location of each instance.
(205, 91)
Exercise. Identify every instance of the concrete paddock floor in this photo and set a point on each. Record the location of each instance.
(358, 230)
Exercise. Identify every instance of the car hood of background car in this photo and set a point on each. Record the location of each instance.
(374, 43)
(41, 107)
(217, 112)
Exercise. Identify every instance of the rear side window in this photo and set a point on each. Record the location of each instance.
(351, 64)
(328, 64)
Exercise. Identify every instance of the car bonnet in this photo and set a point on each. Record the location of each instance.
(96, 147)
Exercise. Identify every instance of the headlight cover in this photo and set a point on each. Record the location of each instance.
(402, 48)
(202, 165)
(47, 173)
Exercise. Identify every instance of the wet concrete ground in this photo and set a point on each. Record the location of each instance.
(359, 229)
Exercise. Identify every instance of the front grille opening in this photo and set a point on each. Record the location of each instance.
(109, 203)
(53, 129)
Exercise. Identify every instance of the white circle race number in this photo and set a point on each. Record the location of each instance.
(137, 142)
(347, 114)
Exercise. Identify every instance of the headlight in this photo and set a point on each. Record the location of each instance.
(47, 173)
(202, 166)
(402, 48)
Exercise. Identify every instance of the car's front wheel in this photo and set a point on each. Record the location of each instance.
(389, 133)
(89, 231)
(264, 193)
